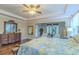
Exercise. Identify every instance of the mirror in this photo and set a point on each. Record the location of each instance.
(30, 30)
(10, 26)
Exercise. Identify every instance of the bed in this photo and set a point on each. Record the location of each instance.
(49, 46)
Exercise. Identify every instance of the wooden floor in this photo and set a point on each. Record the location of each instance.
(7, 49)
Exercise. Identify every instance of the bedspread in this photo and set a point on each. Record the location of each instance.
(49, 46)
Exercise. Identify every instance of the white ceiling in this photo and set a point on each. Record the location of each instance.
(48, 10)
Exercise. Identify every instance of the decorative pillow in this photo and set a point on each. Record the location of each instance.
(44, 34)
(42, 51)
(76, 38)
(73, 42)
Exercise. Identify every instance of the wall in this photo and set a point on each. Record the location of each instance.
(62, 29)
(74, 25)
(22, 25)
(46, 20)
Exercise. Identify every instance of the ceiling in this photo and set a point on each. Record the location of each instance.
(48, 10)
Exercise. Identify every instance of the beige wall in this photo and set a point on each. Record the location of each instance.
(47, 20)
(22, 25)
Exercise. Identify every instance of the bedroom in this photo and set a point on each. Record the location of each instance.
(50, 29)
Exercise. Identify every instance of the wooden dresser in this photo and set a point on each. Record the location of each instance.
(10, 38)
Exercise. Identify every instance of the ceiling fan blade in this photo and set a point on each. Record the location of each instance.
(32, 6)
(39, 12)
(38, 6)
(25, 10)
(25, 5)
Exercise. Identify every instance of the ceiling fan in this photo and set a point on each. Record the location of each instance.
(32, 9)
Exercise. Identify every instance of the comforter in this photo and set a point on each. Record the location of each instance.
(49, 46)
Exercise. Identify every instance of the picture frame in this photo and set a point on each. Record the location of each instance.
(30, 30)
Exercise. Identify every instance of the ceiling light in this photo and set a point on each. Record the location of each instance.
(32, 12)
(32, 9)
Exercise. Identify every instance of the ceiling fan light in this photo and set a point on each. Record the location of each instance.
(32, 9)
(32, 12)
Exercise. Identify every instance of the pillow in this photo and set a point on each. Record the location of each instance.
(44, 34)
(73, 43)
(76, 38)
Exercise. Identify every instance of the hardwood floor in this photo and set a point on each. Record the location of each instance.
(7, 49)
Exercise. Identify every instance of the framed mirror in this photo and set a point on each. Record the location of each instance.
(10, 26)
(30, 30)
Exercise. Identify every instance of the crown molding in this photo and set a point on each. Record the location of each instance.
(61, 17)
(4, 12)
(9, 14)
(51, 15)
(72, 15)
(47, 16)
(65, 8)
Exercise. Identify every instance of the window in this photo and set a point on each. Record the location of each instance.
(37, 30)
(74, 25)
(53, 30)
(49, 30)
(10, 27)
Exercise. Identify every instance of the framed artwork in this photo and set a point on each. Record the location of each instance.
(30, 30)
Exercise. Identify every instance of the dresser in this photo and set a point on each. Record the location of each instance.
(10, 38)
